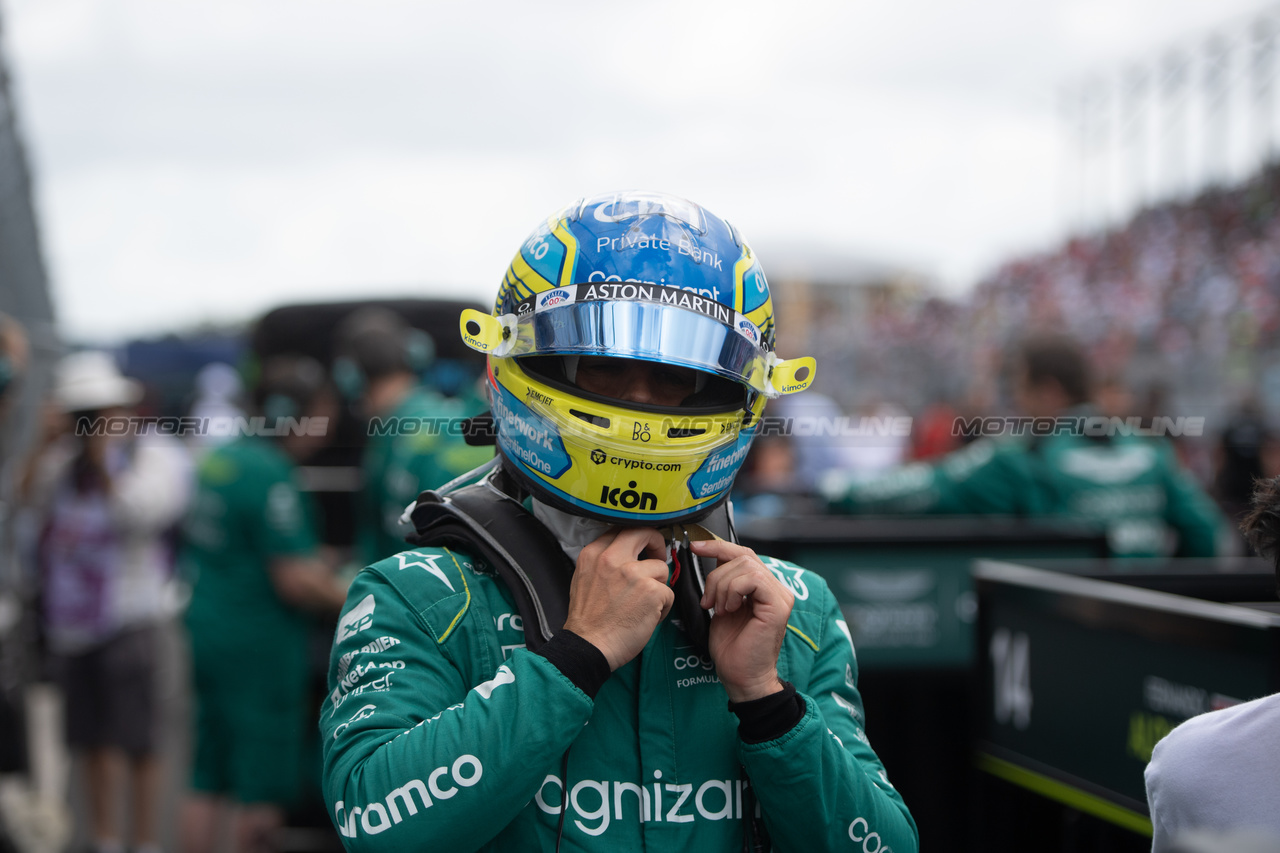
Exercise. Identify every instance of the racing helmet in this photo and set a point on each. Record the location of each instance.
(637, 275)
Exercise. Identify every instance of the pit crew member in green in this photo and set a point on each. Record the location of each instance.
(443, 731)
(251, 546)
(1086, 468)
(413, 438)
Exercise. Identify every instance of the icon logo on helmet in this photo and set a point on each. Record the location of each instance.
(630, 499)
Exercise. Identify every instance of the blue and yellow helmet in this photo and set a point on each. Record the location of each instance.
(636, 275)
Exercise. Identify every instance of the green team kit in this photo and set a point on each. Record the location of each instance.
(1132, 486)
(442, 731)
(408, 451)
(250, 720)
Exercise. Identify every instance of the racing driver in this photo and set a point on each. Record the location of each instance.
(630, 355)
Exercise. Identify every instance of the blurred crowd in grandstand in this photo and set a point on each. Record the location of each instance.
(1178, 311)
(1182, 303)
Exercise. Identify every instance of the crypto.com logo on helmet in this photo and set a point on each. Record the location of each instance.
(644, 276)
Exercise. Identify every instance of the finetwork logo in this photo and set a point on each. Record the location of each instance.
(226, 426)
(1094, 426)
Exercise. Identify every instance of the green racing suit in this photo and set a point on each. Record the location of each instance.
(1132, 487)
(443, 732)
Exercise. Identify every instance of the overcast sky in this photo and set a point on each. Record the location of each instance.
(213, 158)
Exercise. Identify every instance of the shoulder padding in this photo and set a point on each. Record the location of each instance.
(493, 526)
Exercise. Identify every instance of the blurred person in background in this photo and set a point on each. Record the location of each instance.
(1213, 783)
(812, 452)
(218, 390)
(378, 359)
(252, 548)
(880, 443)
(1131, 485)
(767, 485)
(934, 432)
(106, 493)
(1241, 457)
(1113, 398)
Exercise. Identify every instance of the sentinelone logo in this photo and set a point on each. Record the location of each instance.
(1094, 426)
(136, 425)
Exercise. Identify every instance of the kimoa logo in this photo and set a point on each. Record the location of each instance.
(378, 817)
(630, 499)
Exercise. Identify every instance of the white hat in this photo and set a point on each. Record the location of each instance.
(218, 381)
(90, 380)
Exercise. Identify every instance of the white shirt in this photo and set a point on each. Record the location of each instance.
(1219, 772)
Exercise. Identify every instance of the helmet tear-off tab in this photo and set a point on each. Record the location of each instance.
(485, 333)
(790, 376)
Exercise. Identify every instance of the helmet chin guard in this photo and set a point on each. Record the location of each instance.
(642, 276)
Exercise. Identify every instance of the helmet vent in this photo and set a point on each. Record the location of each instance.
(597, 420)
(675, 432)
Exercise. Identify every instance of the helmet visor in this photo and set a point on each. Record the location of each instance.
(673, 326)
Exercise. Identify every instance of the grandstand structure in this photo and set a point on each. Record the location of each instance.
(24, 285)
(1171, 280)
(24, 296)
(1197, 114)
